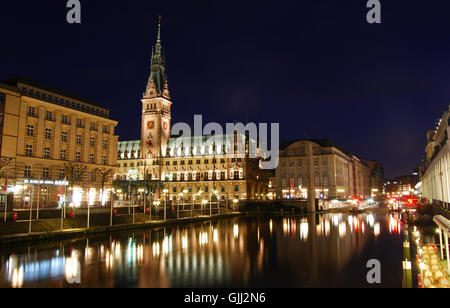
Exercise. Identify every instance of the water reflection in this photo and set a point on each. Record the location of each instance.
(240, 252)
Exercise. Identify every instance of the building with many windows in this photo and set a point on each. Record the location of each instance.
(435, 170)
(321, 166)
(190, 167)
(54, 138)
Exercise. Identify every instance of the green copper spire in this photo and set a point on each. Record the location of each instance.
(158, 70)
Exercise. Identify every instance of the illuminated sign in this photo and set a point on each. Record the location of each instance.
(47, 182)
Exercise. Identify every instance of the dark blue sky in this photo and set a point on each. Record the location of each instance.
(372, 89)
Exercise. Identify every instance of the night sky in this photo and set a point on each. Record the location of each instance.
(316, 67)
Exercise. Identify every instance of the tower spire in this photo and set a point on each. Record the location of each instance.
(159, 29)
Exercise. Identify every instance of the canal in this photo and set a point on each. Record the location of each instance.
(329, 250)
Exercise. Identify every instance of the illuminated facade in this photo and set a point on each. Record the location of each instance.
(43, 130)
(192, 173)
(325, 169)
(435, 167)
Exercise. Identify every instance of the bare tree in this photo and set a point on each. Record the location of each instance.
(6, 167)
(74, 172)
(103, 176)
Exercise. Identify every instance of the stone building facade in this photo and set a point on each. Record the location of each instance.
(324, 169)
(42, 130)
(435, 166)
(192, 168)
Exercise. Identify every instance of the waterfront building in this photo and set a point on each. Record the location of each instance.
(434, 170)
(321, 166)
(190, 168)
(402, 185)
(377, 180)
(51, 139)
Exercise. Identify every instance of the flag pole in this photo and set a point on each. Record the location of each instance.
(6, 196)
(38, 199)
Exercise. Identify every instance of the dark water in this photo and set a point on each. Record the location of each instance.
(329, 250)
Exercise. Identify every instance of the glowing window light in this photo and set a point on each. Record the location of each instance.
(342, 229)
(184, 242)
(376, 229)
(215, 236)
(155, 249)
(236, 231)
(77, 196)
(72, 270)
(17, 277)
(304, 229)
(92, 193)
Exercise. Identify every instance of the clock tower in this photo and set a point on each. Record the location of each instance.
(156, 106)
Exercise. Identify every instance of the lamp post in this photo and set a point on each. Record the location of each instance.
(142, 191)
(112, 205)
(165, 191)
(204, 202)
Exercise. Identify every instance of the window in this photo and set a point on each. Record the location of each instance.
(105, 144)
(31, 111)
(236, 188)
(64, 119)
(78, 139)
(30, 130)
(222, 161)
(198, 162)
(62, 173)
(190, 162)
(63, 154)
(182, 162)
(91, 158)
(103, 160)
(206, 161)
(2, 99)
(236, 175)
(92, 141)
(105, 129)
(48, 133)
(46, 152)
(317, 181)
(79, 123)
(78, 156)
(325, 181)
(45, 173)
(49, 116)
(64, 136)
(27, 172)
(167, 163)
(93, 126)
(174, 163)
(29, 150)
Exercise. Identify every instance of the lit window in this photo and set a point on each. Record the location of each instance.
(29, 150)
(48, 133)
(46, 152)
(30, 130)
(27, 172)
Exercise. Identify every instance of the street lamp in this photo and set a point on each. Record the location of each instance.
(165, 191)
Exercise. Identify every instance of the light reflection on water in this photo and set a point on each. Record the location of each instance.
(320, 250)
